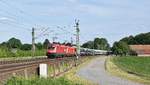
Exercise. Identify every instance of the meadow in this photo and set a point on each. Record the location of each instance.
(139, 66)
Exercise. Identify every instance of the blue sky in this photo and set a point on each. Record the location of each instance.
(111, 19)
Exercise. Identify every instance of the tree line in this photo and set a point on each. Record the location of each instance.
(15, 48)
(122, 47)
(143, 39)
(97, 43)
(14, 43)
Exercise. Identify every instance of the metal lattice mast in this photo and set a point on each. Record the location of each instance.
(77, 37)
(33, 42)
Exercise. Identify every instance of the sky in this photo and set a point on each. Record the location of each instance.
(110, 19)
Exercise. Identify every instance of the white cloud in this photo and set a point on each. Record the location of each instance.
(5, 19)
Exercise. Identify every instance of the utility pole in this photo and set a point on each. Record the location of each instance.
(77, 38)
(71, 41)
(33, 42)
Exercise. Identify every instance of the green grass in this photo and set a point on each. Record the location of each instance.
(6, 53)
(139, 66)
(40, 81)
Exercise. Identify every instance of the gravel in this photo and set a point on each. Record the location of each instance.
(95, 71)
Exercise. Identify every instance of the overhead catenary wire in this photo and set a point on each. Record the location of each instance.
(17, 26)
(15, 23)
(43, 33)
(14, 16)
(62, 28)
(14, 19)
(25, 13)
(11, 20)
(66, 32)
(20, 10)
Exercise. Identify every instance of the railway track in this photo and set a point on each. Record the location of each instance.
(9, 66)
(13, 65)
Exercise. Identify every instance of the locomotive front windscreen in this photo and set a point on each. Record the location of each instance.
(51, 48)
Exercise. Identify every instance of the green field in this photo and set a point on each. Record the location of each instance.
(139, 66)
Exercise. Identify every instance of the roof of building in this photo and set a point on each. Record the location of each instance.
(140, 49)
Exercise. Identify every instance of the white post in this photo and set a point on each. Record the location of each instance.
(43, 70)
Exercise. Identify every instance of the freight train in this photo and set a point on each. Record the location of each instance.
(56, 50)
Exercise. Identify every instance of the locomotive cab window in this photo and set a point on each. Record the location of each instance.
(51, 48)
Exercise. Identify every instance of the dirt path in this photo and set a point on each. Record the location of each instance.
(96, 72)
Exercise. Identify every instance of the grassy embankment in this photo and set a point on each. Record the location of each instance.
(132, 68)
(69, 78)
(6, 53)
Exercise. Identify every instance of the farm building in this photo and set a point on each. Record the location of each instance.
(141, 50)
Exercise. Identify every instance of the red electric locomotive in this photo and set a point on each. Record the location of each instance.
(59, 50)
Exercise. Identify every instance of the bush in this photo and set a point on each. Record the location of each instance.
(26, 47)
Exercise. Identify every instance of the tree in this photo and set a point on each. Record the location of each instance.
(26, 47)
(143, 38)
(4, 44)
(120, 48)
(98, 43)
(89, 44)
(115, 48)
(46, 43)
(129, 40)
(39, 46)
(14, 43)
(101, 44)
